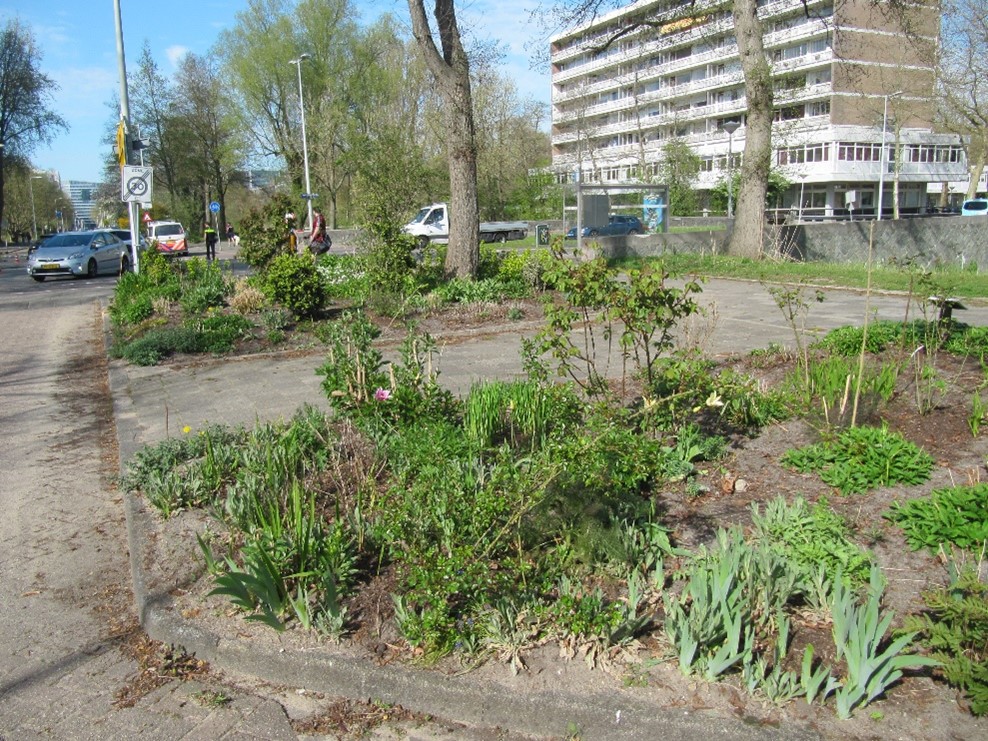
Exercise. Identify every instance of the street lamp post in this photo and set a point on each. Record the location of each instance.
(881, 154)
(34, 218)
(730, 127)
(305, 146)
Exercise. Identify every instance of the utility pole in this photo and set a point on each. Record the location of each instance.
(123, 134)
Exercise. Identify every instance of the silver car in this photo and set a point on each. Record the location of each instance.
(80, 254)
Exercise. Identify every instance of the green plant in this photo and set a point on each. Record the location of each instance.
(291, 281)
(859, 636)
(956, 515)
(811, 537)
(794, 306)
(594, 310)
(979, 410)
(863, 458)
(203, 286)
(955, 630)
(343, 276)
(264, 232)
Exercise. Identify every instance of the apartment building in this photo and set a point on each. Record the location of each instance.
(847, 78)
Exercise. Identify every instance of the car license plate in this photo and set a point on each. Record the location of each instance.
(50, 266)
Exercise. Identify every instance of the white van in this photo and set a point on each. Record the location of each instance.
(168, 237)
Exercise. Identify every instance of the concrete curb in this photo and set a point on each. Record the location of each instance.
(464, 698)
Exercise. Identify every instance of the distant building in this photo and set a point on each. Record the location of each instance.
(82, 194)
(841, 69)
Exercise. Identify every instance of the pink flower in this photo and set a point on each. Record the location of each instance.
(382, 395)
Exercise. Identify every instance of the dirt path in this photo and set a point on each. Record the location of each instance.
(74, 662)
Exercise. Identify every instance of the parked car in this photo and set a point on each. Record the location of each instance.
(88, 253)
(124, 236)
(617, 225)
(975, 207)
(169, 237)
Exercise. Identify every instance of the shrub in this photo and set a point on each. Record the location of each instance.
(343, 276)
(203, 286)
(291, 281)
(264, 232)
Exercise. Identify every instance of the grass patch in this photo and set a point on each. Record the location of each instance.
(953, 281)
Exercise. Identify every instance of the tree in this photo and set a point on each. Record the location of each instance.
(678, 171)
(962, 87)
(215, 145)
(451, 69)
(26, 120)
(152, 97)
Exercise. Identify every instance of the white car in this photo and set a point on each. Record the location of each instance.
(169, 237)
(79, 254)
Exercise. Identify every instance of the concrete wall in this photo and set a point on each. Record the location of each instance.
(958, 241)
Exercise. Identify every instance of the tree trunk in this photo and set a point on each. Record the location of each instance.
(749, 221)
(451, 70)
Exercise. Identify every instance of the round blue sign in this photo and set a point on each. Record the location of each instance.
(214, 207)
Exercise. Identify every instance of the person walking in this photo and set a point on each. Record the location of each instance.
(229, 233)
(319, 241)
(211, 238)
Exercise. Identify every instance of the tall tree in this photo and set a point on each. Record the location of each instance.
(962, 87)
(152, 98)
(26, 119)
(203, 111)
(451, 69)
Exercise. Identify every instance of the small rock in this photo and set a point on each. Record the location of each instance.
(740, 485)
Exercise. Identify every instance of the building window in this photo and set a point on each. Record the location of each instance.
(857, 152)
(819, 108)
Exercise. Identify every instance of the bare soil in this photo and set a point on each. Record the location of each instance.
(921, 706)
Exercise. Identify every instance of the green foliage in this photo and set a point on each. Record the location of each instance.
(522, 413)
(526, 266)
(679, 171)
(954, 629)
(595, 307)
(264, 232)
(359, 386)
(684, 386)
(134, 294)
(956, 515)
(863, 458)
(343, 276)
(811, 537)
(859, 635)
(292, 281)
(203, 286)
(487, 290)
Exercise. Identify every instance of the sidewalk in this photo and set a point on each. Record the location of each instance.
(152, 403)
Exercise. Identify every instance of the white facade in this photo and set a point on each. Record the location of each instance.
(614, 110)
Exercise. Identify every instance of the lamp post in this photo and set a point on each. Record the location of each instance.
(34, 218)
(881, 154)
(730, 127)
(305, 146)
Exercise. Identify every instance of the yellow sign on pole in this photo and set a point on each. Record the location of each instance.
(121, 144)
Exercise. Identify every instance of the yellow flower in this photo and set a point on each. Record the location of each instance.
(714, 400)
(649, 402)
(186, 430)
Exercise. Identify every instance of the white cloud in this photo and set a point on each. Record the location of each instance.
(175, 53)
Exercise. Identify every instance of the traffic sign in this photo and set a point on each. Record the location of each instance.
(214, 207)
(146, 218)
(135, 183)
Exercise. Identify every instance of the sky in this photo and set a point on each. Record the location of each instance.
(77, 40)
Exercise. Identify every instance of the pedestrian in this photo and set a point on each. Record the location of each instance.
(229, 233)
(211, 238)
(319, 241)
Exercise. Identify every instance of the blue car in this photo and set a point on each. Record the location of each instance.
(618, 225)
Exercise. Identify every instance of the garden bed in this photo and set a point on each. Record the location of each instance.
(569, 537)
